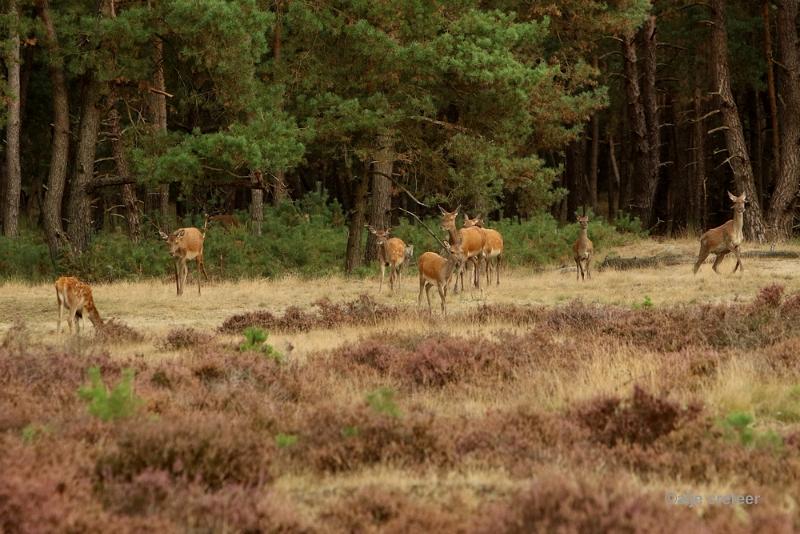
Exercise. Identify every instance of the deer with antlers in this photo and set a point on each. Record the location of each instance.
(471, 241)
(75, 297)
(724, 239)
(186, 244)
(492, 248)
(583, 250)
(391, 252)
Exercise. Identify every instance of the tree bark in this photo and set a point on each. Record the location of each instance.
(256, 205)
(594, 156)
(646, 193)
(79, 208)
(738, 159)
(613, 179)
(123, 170)
(773, 101)
(13, 169)
(381, 200)
(279, 191)
(356, 227)
(59, 157)
(780, 216)
(698, 174)
(158, 108)
(640, 207)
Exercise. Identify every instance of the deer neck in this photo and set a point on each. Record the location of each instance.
(94, 316)
(454, 237)
(583, 235)
(738, 223)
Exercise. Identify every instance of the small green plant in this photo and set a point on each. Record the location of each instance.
(285, 440)
(33, 431)
(646, 303)
(350, 431)
(119, 403)
(382, 401)
(255, 340)
(739, 426)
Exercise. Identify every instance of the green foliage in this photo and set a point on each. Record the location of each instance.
(284, 441)
(255, 340)
(119, 403)
(25, 257)
(739, 426)
(33, 431)
(646, 303)
(382, 400)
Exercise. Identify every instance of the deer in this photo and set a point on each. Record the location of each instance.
(724, 239)
(226, 220)
(471, 241)
(437, 270)
(583, 250)
(186, 244)
(492, 248)
(391, 252)
(75, 296)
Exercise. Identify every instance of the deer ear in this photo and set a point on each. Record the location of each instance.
(732, 196)
(743, 196)
(442, 210)
(164, 236)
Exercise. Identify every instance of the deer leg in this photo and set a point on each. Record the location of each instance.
(383, 273)
(199, 264)
(60, 312)
(588, 269)
(443, 297)
(177, 277)
(185, 271)
(738, 260)
(718, 259)
(428, 295)
(202, 263)
(421, 288)
(701, 257)
(578, 269)
(497, 268)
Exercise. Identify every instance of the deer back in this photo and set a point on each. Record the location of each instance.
(73, 293)
(432, 266)
(494, 242)
(472, 241)
(394, 251)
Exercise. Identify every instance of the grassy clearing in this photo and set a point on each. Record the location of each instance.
(541, 402)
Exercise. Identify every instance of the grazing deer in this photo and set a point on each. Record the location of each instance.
(391, 252)
(226, 220)
(437, 270)
(583, 249)
(75, 297)
(493, 247)
(724, 239)
(186, 244)
(471, 241)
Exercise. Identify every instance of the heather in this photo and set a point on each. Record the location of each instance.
(535, 419)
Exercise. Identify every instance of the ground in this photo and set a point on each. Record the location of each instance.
(516, 386)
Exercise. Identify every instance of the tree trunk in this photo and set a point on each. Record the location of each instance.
(780, 217)
(698, 186)
(356, 227)
(13, 170)
(79, 208)
(773, 101)
(123, 170)
(256, 205)
(613, 179)
(754, 226)
(279, 191)
(647, 193)
(59, 157)
(381, 200)
(158, 109)
(594, 156)
(640, 186)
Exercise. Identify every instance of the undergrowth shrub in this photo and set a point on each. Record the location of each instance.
(185, 338)
(118, 403)
(255, 340)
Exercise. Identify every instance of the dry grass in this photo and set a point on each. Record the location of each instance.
(484, 406)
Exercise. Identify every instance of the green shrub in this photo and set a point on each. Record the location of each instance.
(382, 401)
(739, 426)
(119, 403)
(285, 440)
(255, 340)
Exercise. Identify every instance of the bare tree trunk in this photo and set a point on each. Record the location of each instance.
(158, 107)
(381, 201)
(256, 204)
(647, 192)
(13, 170)
(773, 101)
(780, 216)
(594, 156)
(754, 226)
(59, 157)
(613, 179)
(698, 186)
(279, 191)
(641, 187)
(356, 228)
(123, 170)
(79, 208)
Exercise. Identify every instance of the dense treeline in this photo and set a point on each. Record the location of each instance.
(150, 112)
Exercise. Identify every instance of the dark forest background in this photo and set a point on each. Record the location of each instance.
(309, 119)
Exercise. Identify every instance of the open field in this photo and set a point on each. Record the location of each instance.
(541, 403)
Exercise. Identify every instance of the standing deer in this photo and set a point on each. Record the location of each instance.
(75, 296)
(437, 270)
(493, 247)
(583, 249)
(186, 244)
(724, 239)
(226, 220)
(471, 241)
(391, 252)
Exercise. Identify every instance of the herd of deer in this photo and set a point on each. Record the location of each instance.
(472, 244)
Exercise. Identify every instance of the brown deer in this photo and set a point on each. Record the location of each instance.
(493, 247)
(724, 239)
(471, 241)
(75, 296)
(583, 249)
(391, 252)
(186, 244)
(437, 270)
